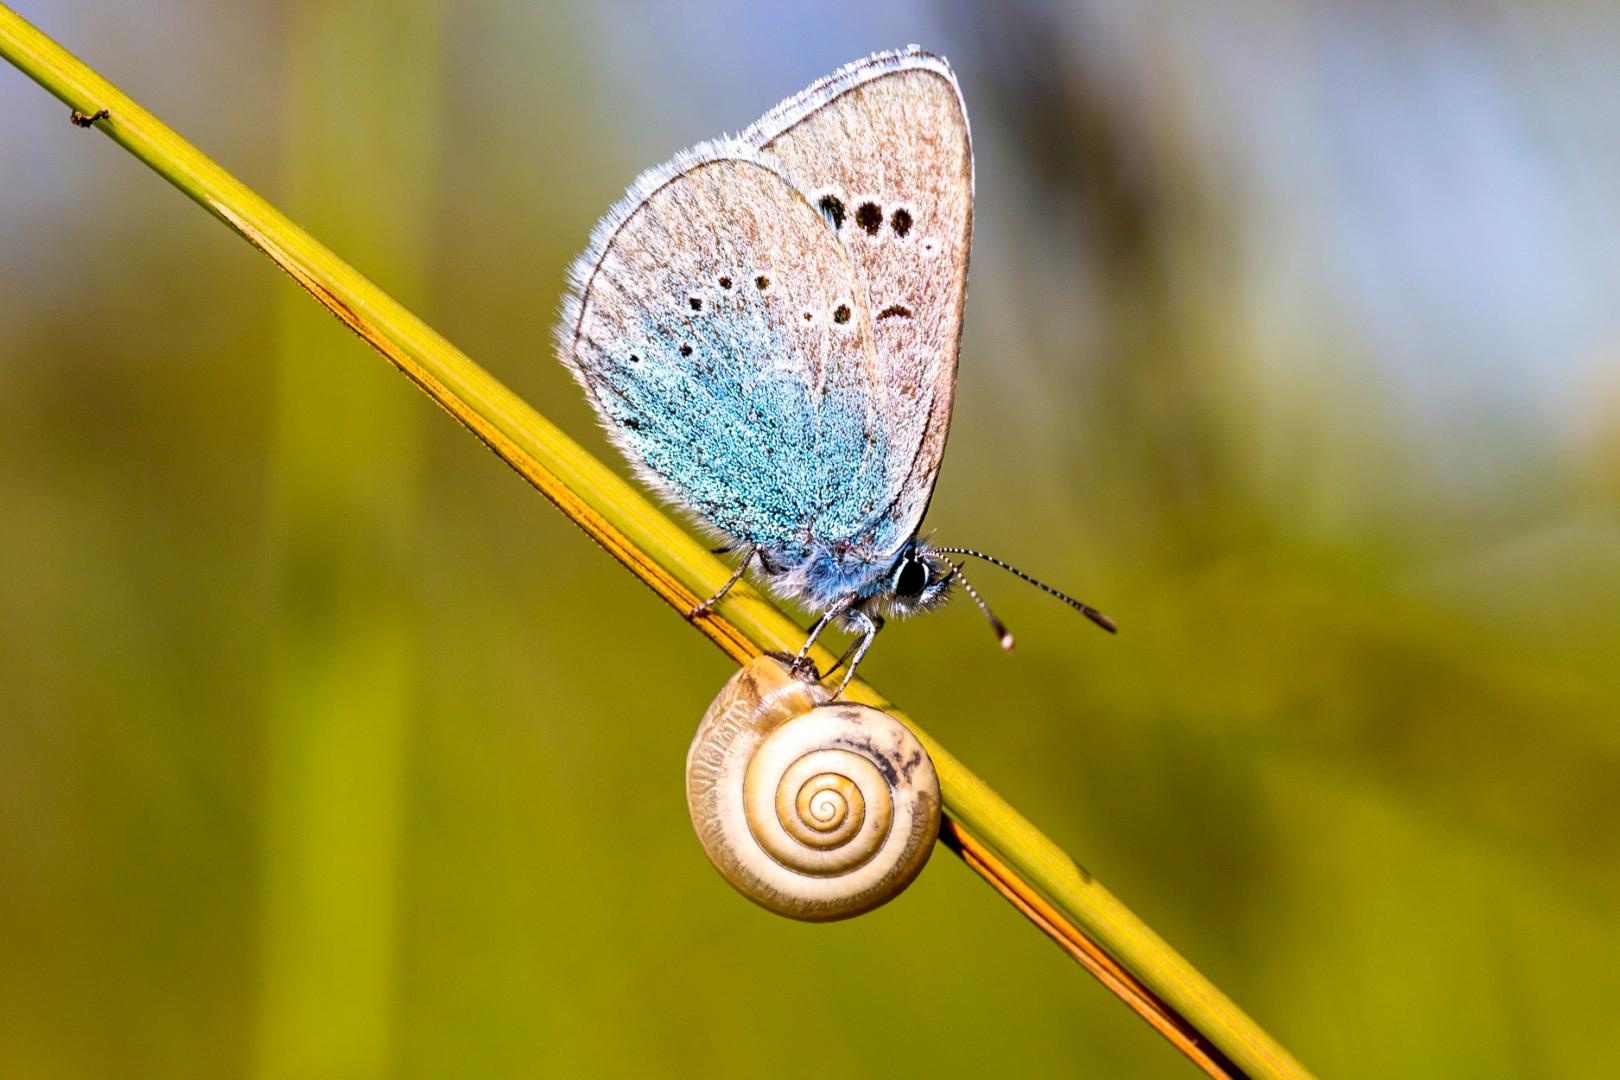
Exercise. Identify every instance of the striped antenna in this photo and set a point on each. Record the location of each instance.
(1085, 609)
(995, 624)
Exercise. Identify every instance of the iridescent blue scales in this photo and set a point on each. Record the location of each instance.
(698, 352)
(768, 327)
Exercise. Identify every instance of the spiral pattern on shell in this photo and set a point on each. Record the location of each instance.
(812, 809)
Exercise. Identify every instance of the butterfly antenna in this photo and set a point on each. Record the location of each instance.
(1085, 609)
(995, 624)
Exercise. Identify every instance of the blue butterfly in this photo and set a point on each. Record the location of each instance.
(768, 326)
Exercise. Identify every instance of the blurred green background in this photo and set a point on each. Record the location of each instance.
(329, 749)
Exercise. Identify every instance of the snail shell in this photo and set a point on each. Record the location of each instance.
(813, 809)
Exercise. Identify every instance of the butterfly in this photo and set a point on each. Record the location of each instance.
(768, 326)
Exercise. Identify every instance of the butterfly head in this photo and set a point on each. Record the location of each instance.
(918, 581)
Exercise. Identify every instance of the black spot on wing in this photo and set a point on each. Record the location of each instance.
(869, 217)
(832, 208)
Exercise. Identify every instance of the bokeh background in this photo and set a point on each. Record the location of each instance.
(329, 749)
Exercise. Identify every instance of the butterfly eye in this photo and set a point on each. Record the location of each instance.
(912, 578)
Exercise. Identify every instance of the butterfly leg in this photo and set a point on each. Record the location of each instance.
(802, 661)
(868, 626)
(736, 576)
(850, 651)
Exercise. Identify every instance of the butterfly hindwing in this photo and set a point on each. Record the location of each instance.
(882, 149)
(719, 329)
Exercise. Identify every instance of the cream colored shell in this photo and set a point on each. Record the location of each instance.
(814, 810)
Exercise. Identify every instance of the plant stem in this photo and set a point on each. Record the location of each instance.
(679, 569)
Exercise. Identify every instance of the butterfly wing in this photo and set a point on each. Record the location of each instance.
(882, 148)
(717, 328)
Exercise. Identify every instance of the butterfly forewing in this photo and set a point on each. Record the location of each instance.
(721, 332)
(882, 150)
